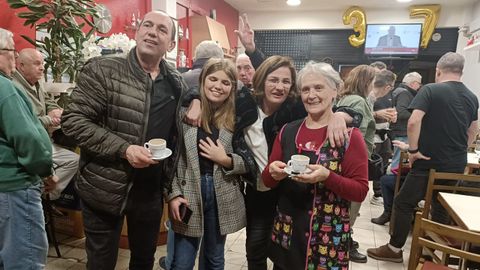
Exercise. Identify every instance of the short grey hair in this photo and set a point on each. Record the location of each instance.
(5, 35)
(208, 49)
(322, 69)
(451, 62)
(412, 77)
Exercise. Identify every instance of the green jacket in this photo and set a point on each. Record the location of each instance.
(25, 147)
(367, 126)
(42, 103)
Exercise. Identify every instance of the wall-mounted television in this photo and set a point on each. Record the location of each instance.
(393, 39)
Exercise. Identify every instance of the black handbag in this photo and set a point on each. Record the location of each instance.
(375, 167)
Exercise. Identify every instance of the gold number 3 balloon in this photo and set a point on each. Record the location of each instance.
(359, 24)
(430, 13)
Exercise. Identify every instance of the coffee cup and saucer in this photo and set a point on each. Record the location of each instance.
(158, 149)
(297, 165)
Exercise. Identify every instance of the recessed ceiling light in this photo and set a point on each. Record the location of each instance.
(404, 1)
(293, 2)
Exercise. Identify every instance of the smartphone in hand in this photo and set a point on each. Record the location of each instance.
(185, 213)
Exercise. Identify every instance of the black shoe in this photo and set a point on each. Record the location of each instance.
(163, 262)
(355, 244)
(382, 219)
(357, 257)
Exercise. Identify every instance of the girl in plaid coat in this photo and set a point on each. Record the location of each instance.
(207, 180)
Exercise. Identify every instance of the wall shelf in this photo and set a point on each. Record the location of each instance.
(473, 47)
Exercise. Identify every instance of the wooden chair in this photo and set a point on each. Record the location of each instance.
(403, 166)
(459, 184)
(438, 250)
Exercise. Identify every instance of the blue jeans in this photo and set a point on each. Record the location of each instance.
(170, 245)
(23, 240)
(388, 189)
(186, 248)
(396, 152)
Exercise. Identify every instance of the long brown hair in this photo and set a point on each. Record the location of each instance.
(268, 66)
(224, 115)
(358, 81)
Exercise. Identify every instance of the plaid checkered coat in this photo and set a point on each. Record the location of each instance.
(186, 183)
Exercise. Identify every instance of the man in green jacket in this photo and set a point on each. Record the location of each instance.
(25, 157)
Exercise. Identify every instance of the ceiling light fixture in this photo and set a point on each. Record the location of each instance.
(404, 1)
(293, 2)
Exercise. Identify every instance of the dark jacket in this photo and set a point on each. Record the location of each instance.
(402, 97)
(109, 112)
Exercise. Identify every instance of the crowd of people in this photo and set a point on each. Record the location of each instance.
(237, 134)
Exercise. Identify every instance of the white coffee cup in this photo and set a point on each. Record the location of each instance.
(298, 163)
(156, 147)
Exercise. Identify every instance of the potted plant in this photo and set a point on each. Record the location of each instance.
(63, 20)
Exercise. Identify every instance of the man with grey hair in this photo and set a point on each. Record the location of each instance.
(245, 69)
(402, 97)
(205, 50)
(433, 144)
(25, 158)
(28, 77)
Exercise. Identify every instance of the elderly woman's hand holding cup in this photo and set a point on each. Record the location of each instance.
(277, 170)
(318, 174)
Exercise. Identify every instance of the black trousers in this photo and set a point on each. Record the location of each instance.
(260, 212)
(412, 191)
(384, 149)
(143, 212)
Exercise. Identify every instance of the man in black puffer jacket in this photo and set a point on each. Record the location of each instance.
(120, 103)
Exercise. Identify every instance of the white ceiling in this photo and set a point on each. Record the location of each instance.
(310, 5)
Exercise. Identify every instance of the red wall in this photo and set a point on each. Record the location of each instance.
(121, 15)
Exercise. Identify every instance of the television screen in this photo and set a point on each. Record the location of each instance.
(393, 39)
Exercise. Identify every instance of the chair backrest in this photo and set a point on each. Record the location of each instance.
(429, 245)
(459, 183)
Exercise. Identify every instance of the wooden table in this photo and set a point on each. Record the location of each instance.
(464, 211)
(472, 163)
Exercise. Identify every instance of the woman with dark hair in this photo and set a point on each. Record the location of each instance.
(207, 179)
(260, 116)
(311, 227)
(357, 87)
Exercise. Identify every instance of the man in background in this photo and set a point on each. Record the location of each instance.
(30, 67)
(390, 39)
(245, 70)
(25, 158)
(433, 144)
(402, 97)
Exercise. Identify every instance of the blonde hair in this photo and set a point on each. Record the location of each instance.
(222, 116)
(358, 81)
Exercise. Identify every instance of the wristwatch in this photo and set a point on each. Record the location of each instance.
(412, 151)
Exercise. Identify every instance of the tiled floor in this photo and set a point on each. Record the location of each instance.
(366, 233)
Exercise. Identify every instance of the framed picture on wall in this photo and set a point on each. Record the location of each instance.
(344, 70)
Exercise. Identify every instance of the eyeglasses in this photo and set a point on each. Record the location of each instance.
(15, 52)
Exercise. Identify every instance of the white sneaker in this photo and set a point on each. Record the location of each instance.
(376, 201)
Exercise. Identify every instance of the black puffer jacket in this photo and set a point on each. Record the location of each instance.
(109, 111)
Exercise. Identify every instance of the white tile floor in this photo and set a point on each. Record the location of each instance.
(366, 233)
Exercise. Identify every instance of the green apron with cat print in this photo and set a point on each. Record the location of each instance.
(312, 226)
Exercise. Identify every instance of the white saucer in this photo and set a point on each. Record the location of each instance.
(288, 170)
(166, 153)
